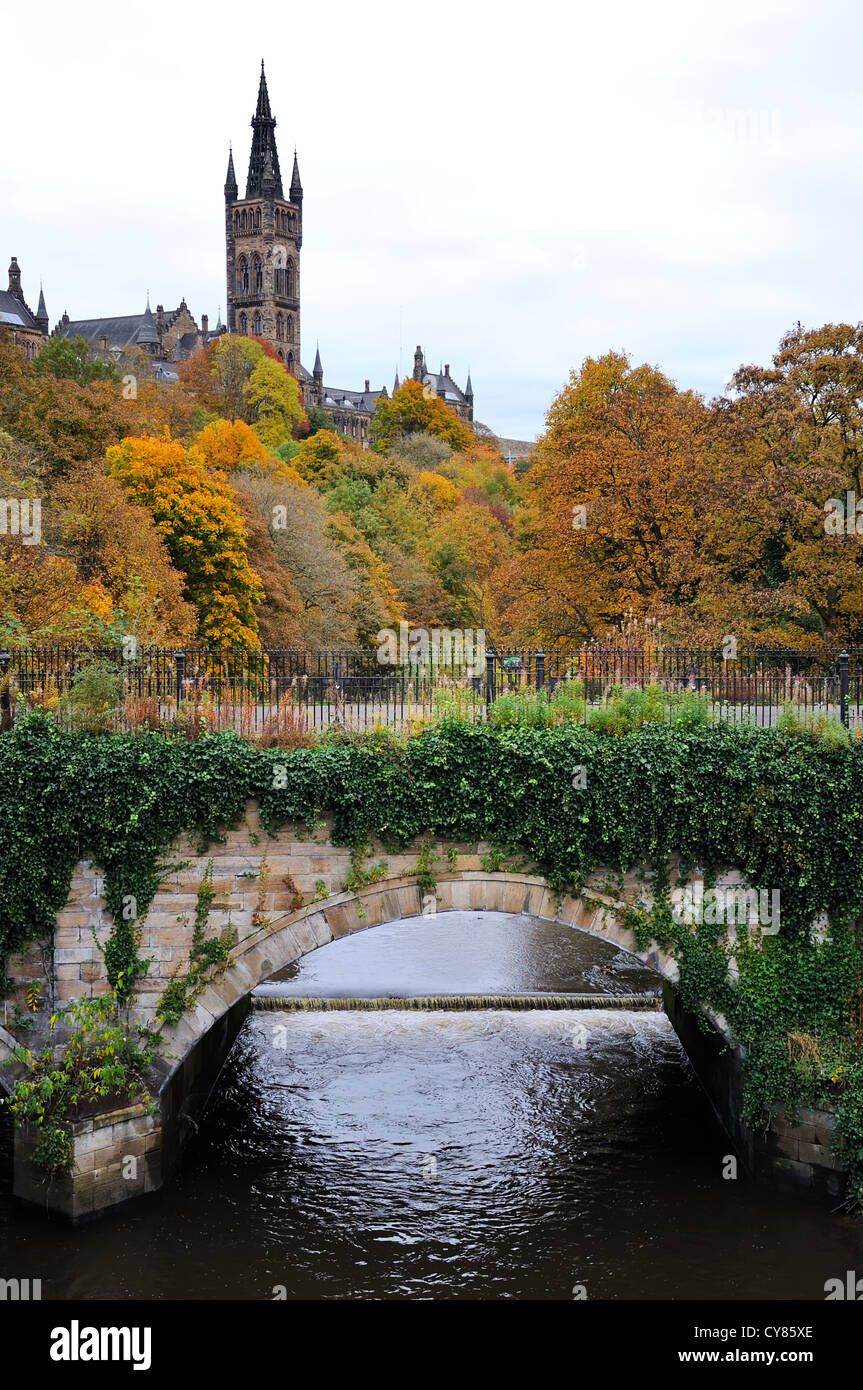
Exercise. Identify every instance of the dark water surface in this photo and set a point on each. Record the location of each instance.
(450, 1155)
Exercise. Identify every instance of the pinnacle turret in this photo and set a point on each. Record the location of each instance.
(231, 189)
(42, 312)
(296, 186)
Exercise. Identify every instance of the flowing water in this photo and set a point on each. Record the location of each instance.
(491, 1154)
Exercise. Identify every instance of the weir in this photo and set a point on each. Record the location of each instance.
(429, 1003)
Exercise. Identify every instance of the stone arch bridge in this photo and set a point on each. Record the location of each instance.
(257, 880)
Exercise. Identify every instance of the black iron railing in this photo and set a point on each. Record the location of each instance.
(361, 687)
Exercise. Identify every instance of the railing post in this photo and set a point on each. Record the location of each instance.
(5, 696)
(180, 662)
(843, 687)
(489, 678)
(540, 670)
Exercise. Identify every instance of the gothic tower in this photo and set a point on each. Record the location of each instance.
(263, 236)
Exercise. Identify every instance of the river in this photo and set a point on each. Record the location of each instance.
(448, 1155)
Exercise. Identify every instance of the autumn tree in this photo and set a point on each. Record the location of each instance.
(273, 397)
(790, 438)
(615, 488)
(298, 523)
(65, 423)
(115, 542)
(414, 409)
(279, 611)
(194, 508)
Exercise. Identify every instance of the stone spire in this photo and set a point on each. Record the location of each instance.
(419, 364)
(318, 371)
(396, 382)
(42, 312)
(231, 189)
(263, 143)
(296, 186)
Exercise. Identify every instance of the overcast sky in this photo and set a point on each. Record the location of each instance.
(515, 187)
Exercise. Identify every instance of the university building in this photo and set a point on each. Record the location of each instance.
(263, 240)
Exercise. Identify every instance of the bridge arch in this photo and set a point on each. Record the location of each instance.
(294, 935)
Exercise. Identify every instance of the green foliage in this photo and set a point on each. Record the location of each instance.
(796, 1007)
(425, 874)
(631, 706)
(318, 420)
(287, 451)
(358, 877)
(535, 709)
(795, 721)
(93, 696)
(70, 358)
(102, 1059)
(206, 956)
(492, 862)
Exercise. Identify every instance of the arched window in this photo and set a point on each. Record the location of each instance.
(290, 361)
(257, 219)
(244, 324)
(244, 276)
(258, 324)
(244, 219)
(289, 280)
(259, 275)
(280, 327)
(290, 329)
(236, 222)
(280, 281)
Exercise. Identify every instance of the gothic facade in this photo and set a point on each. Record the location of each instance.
(17, 320)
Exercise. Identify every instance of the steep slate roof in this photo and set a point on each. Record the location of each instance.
(128, 330)
(335, 398)
(124, 331)
(439, 382)
(14, 312)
